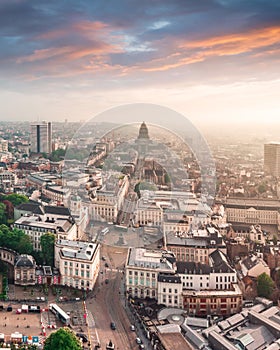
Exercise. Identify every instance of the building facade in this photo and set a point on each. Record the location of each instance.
(41, 137)
(24, 270)
(143, 268)
(37, 225)
(272, 159)
(213, 302)
(78, 263)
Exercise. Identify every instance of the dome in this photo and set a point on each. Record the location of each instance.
(24, 261)
(143, 132)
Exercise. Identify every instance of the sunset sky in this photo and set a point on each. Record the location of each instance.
(212, 60)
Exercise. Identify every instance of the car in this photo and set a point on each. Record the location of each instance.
(138, 341)
(132, 327)
(106, 281)
(103, 258)
(83, 337)
(106, 264)
(141, 346)
(113, 326)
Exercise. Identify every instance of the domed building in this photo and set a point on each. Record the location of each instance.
(143, 132)
(24, 272)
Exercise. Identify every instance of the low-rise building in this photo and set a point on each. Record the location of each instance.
(213, 302)
(254, 266)
(250, 211)
(78, 263)
(24, 270)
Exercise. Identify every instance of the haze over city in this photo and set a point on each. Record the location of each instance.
(213, 61)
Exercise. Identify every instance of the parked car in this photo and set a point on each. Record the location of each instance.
(141, 346)
(138, 341)
(106, 264)
(113, 326)
(106, 281)
(132, 327)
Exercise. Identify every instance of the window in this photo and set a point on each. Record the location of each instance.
(164, 290)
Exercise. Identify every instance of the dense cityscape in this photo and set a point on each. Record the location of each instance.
(99, 234)
(139, 175)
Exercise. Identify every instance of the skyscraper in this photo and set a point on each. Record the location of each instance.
(272, 159)
(41, 137)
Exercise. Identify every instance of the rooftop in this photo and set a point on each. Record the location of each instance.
(76, 249)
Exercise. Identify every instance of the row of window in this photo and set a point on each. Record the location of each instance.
(75, 272)
(142, 274)
(76, 264)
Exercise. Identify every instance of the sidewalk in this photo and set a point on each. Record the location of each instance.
(134, 320)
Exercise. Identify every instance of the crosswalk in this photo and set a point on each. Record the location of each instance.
(90, 319)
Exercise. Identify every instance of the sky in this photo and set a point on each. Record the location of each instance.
(214, 61)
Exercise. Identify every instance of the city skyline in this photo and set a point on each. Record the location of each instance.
(209, 60)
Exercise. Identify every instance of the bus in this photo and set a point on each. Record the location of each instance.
(60, 314)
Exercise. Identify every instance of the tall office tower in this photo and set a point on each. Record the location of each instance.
(272, 159)
(41, 137)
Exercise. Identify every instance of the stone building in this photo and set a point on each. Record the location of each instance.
(24, 271)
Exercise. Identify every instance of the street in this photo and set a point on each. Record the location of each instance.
(106, 305)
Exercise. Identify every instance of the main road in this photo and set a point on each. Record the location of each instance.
(106, 305)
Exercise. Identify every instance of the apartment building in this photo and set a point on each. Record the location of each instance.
(36, 225)
(78, 263)
(143, 268)
(195, 245)
(56, 194)
(216, 275)
(213, 302)
(106, 202)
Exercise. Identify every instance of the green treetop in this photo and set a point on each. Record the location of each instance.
(62, 339)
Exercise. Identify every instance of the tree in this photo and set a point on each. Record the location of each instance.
(9, 209)
(16, 199)
(264, 285)
(47, 244)
(15, 239)
(2, 213)
(57, 155)
(62, 339)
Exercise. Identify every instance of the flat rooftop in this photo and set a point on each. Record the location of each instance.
(76, 249)
(174, 341)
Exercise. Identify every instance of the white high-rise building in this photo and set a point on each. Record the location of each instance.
(272, 159)
(41, 137)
